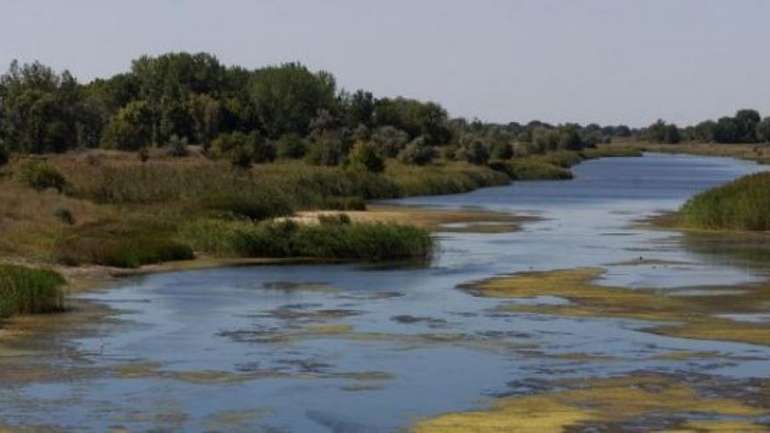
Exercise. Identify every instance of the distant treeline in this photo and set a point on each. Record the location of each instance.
(284, 111)
(747, 126)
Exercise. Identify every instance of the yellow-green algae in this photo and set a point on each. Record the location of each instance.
(685, 317)
(597, 402)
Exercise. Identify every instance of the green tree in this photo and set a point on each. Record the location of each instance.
(763, 130)
(473, 150)
(726, 130)
(291, 146)
(288, 97)
(746, 123)
(390, 140)
(130, 128)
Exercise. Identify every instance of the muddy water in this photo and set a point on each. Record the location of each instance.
(349, 348)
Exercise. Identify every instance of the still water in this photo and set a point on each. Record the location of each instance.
(352, 348)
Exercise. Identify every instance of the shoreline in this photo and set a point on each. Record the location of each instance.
(87, 278)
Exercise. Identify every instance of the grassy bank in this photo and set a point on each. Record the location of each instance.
(109, 208)
(556, 165)
(26, 290)
(743, 204)
(750, 152)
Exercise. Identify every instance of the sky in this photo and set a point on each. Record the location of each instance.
(604, 61)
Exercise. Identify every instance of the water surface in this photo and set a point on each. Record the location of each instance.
(355, 348)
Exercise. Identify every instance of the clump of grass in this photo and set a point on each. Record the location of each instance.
(332, 238)
(25, 290)
(41, 176)
(531, 169)
(344, 203)
(127, 244)
(743, 204)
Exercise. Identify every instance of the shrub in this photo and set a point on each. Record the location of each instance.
(365, 155)
(474, 152)
(41, 175)
(64, 215)
(25, 290)
(418, 152)
(500, 150)
(390, 140)
(326, 149)
(291, 146)
(177, 147)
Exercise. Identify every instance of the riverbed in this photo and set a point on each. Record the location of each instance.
(351, 348)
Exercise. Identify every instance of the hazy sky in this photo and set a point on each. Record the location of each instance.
(606, 61)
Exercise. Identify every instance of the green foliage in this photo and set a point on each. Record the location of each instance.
(500, 150)
(177, 147)
(449, 178)
(662, 132)
(740, 205)
(390, 140)
(130, 128)
(127, 244)
(426, 119)
(418, 152)
(327, 148)
(243, 149)
(343, 203)
(333, 238)
(473, 151)
(287, 97)
(25, 290)
(41, 176)
(364, 155)
(291, 146)
(43, 111)
(763, 131)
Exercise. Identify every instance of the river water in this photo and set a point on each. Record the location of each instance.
(361, 348)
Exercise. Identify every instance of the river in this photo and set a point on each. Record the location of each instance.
(363, 348)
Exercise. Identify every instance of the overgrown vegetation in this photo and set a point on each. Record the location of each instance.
(743, 204)
(25, 290)
(332, 238)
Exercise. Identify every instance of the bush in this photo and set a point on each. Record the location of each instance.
(740, 205)
(501, 150)
(65, 216)
(291, 146)
(418, 152)
(390, 140)
(365, 155)
(177, 147)
(26, 290)
(475, 152)
(327, 149)
(42, 176)
(242, 149)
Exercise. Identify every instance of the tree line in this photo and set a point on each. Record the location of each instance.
(285, 111)
(747, 126)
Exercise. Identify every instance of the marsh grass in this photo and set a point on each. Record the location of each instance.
(743, 204)
(127, 244)
(442, 178)
(332, 238)
(531, 169)
(26, 290)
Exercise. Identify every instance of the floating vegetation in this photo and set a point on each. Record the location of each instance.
(698, 317)
(606, 405)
